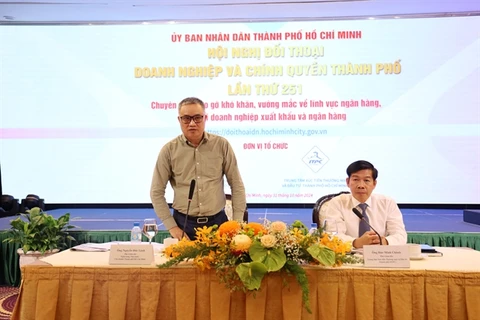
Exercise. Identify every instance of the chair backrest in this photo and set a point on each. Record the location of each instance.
(320, 202)
(31, 201)
(229, 209)
(9, 206)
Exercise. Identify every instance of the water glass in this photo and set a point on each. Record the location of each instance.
(329, 226)
(150, 229)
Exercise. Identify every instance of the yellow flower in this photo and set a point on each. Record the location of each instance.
(336, 244)
(297, 233)
(175, 250)
(268, 241)
(204, 235)
(204, 231)
(205, 262)
(241, 242)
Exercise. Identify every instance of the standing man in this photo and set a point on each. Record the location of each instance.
(203, 157)
(381, 211)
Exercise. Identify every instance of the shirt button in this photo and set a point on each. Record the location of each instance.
(199, 189)
(200, 203)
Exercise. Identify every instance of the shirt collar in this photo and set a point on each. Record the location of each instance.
(206, 137)
(356, 202)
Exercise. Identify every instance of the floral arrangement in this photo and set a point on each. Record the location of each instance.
(242, 253)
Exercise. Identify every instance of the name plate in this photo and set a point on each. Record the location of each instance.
(141, 254)
(386, 256)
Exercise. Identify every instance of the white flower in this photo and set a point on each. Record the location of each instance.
(241, 242)
(278, 226)
(268, 241)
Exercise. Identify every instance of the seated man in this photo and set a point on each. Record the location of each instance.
(381, 212)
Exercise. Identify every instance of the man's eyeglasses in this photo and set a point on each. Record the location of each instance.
(187, 119)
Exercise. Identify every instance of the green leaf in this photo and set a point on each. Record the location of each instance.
(323, 254)
(257, 252)
(300, 226)
(34, 211)
(251, 274)
(39, 231)
(273, 259)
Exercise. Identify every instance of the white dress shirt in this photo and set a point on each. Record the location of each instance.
(383, 213)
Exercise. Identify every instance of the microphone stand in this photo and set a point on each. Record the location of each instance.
(190, 197)
(186, 218)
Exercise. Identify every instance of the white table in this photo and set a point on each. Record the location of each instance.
(81, 285)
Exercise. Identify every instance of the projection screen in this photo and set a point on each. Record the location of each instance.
(86, 109)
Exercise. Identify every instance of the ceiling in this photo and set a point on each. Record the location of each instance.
(118, 11)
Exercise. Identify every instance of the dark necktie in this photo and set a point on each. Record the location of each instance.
(363, 227)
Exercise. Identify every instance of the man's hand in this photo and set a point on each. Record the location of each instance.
(368, 238)
(176, 233)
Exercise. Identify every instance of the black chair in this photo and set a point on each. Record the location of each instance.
(320, 202)
(31, 201)
(9, 206)
(245, 214)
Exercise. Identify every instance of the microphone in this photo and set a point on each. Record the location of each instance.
(190, 196)
(360, 215)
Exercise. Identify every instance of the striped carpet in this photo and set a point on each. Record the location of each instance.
(8, 296)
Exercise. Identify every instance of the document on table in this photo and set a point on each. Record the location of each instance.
(102, 247)
(92, 247)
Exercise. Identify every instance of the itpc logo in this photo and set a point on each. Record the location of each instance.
(315, 159)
